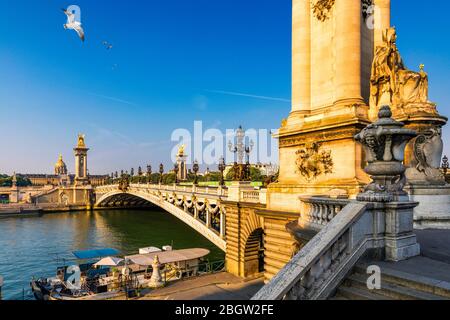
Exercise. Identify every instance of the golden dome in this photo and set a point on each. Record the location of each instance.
(60, 166)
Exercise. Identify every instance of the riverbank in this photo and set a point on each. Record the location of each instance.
(36, 245)
(219, 286)
(19, 210)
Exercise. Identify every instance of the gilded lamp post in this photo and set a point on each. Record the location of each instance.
(176, 168)
(195, 169)
(161, 172)
(240, 148)
(221, 168)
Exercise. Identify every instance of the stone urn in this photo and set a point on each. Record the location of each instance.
(384, 144)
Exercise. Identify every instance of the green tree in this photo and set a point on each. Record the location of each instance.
(213, 176)
(256, 175)
(6, 181)
(169, 178)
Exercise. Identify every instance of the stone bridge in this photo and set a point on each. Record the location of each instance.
(234, 218)
(202, 208)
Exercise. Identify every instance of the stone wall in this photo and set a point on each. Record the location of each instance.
(246, 225)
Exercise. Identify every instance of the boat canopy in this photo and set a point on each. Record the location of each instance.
(109, 262)
(96, 253)
(168, 256)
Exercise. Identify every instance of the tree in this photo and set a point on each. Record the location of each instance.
(213, 176)
(154, 178)
(6, 181)
(256, 175)
(169, 178)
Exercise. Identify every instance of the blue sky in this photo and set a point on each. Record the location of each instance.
(170, 65)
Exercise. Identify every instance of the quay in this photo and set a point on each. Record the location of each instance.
(20, 210)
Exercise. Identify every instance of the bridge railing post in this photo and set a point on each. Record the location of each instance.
(222, 224)
(208, 218)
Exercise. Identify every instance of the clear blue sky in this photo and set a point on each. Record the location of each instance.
(168, 59)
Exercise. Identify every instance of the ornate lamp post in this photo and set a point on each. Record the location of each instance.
(195, 169)
(445, 165)
(176, 168)
(161, 172)
(221, 168)
(240, 148)
(149, 173)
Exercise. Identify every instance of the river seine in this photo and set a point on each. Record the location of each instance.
(29, 246)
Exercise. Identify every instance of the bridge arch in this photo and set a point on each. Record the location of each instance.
(182, 208)
(254, 253)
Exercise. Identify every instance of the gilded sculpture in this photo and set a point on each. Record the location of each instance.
(241, 171)
(81, 143)
(393, 84)
(312, 162)
(181, 150)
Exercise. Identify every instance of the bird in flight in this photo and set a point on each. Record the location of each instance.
(72, 24)
(107, 45)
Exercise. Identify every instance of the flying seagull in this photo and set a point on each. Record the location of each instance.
(107, 45)
(73, 25)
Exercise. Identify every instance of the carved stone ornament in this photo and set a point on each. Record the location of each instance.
(322, 8)
(312, 162)
(384, 144)
(124, 184)
(428, 149)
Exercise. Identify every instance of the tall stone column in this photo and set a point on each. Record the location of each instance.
(382, 19)
(301, 56)
(348, 52)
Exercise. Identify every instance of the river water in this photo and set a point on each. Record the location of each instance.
(29, 246)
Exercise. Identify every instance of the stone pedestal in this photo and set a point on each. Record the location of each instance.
(235, 189)
(400, 241)
(433, 211)
(14, 195)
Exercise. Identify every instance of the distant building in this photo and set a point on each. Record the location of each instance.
(61, 176)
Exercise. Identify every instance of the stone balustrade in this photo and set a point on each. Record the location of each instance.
(319, 211)
(322, 264)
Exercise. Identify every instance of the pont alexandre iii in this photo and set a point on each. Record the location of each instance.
(360, 156)
(345, 66)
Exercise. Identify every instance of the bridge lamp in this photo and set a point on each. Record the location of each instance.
(161, 172)
(195, 169)
(176, 168)
(221, 168)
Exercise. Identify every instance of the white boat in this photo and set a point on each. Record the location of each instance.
(112, 277)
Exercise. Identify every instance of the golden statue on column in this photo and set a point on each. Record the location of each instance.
(393, 84)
